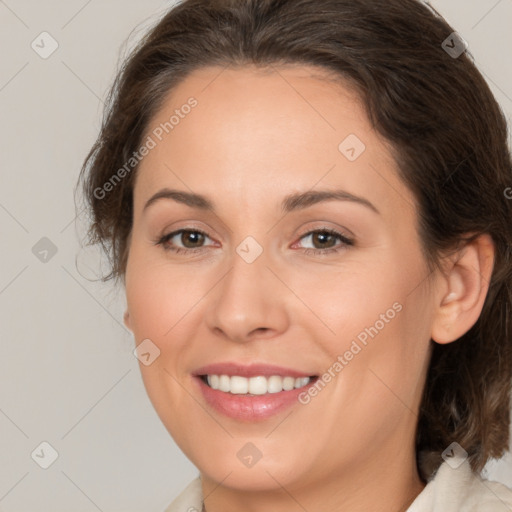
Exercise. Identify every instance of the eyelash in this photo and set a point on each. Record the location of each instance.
(346, 242)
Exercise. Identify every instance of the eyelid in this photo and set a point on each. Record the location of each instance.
(168, 235)
(346, 240)
(316, 226)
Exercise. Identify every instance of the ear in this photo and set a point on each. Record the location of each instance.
(462, 289)
(126, 320)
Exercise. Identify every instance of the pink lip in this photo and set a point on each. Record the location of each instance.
(252, 370)
(249, 408)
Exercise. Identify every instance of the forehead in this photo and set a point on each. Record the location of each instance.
(292, 102)
(261, 129)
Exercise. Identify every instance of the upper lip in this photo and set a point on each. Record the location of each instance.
(249, 370)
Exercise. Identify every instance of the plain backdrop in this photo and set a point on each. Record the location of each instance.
(68, 376)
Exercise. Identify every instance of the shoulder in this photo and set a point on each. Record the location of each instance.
(455, 488)
(189, 500)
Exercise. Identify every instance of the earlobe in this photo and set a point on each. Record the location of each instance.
(126, 319)
(465, 284)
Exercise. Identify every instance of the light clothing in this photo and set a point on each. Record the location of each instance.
(450, 490)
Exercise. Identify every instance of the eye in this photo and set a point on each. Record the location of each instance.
(326, 238)
(191, 239)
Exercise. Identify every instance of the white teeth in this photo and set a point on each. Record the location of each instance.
(274, 384)
(288, 383)
(257, 385)
(239, 385)
(301, 382)
(224, 383)
(213, 380)
(260, 385)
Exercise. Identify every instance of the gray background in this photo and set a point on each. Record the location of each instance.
(67, 372)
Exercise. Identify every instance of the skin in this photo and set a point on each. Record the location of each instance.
(255, 137)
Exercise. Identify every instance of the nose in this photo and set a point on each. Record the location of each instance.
(249, 302)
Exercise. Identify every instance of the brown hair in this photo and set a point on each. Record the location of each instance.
(447, 131)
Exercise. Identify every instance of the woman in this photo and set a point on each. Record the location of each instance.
(306, 202)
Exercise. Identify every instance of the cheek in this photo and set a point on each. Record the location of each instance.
(159, 294)
(161, 303)
(375, 316)
(342, 302)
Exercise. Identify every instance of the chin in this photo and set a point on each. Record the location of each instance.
(240, 465)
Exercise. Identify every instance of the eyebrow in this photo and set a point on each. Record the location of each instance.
(290, 203)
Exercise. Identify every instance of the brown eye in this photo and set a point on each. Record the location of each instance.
(323, 238)
(196, 238)
(183, 240)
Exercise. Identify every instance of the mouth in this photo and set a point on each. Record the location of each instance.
(250, 393)
(255, 386)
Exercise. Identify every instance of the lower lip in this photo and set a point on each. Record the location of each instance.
(250, 407)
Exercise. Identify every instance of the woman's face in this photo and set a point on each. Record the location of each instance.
(257, 287)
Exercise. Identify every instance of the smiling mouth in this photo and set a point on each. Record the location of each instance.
(254, 386)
